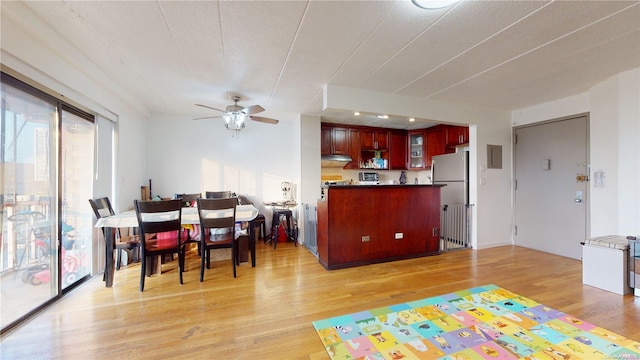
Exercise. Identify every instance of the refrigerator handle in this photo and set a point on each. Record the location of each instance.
(433, 166)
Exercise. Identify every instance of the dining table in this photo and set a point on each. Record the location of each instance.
(189, 216)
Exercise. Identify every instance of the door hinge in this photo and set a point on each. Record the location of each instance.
(515, 184)
(515, 230)
(515, 138)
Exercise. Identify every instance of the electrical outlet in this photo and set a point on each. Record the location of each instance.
(366, 238)
(399, 235)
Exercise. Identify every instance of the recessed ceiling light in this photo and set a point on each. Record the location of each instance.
(356, 113)
(412, 119)
(433, 4)
(382, 116)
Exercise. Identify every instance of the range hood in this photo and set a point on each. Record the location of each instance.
(334, 160)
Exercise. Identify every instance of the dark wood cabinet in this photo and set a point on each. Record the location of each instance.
(457, 135)
(374, 139)
(397, 150)
(400, 149)
(424, 144)
(334, 140)
(417, 149)
(358, 225)
(354, 149)
(436, 138)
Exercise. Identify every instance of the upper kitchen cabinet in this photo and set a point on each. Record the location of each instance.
(354, 149)
(397, 150)
(417, 142)
(457, 135)
(334, 140)
(374, 139)
(436, 139)
(424, 144)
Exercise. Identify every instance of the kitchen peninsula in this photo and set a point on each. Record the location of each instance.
(364, 224)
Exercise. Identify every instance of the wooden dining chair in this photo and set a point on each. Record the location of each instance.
(162, 218)
(192, 231)
(188, 200)
(217, 230)
(218, 194)
(102, 208)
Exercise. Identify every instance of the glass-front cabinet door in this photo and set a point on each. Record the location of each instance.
(416, 149)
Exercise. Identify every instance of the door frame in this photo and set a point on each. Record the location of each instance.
(587, 194)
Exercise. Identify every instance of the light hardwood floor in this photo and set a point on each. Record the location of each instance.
(266, 312)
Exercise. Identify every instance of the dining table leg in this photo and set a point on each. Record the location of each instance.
(109, 263)
(252, 243)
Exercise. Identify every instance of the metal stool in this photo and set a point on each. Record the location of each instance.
(287, 223)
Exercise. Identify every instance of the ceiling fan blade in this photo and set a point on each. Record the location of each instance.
(264, 119)
(254, 109)
(209, 107)
(208, 117)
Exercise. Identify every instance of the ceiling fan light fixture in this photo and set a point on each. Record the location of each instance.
(412, 119)
(234, 120)
(240, 119)
(433, 4)
(235, 116)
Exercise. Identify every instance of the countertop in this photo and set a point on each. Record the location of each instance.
(382, 186)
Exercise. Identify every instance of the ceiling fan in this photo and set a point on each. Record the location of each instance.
(235, 115)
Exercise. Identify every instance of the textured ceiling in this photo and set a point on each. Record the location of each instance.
(498, 54)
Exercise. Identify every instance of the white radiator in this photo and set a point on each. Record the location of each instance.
(310, 229)
(455, 227)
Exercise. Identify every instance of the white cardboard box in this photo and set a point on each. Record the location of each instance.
(605, 268)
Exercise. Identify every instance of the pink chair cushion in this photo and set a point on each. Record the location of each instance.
(194, 232)
(167, 239)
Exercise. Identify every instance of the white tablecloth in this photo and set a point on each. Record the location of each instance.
(189, 216)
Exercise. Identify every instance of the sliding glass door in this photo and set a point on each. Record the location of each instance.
(76, 166)
(46, 161)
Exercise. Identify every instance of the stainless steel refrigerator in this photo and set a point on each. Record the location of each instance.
(452, 170)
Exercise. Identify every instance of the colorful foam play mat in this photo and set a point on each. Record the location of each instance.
(486, 322)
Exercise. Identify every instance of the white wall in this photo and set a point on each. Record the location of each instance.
(195, 156)
(309, 155)
(492, 198)
(614, 126)
(629, 152)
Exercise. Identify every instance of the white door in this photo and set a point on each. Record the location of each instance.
(551, 199)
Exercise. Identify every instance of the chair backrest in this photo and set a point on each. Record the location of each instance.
(218, 194)
(158, 216)
(243, 200)
(101, 207)
(188, 199)
(217, 214)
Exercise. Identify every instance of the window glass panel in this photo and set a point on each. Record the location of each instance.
(76, 166)
(28, 257)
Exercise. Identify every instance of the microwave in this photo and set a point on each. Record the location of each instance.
(368, 176)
